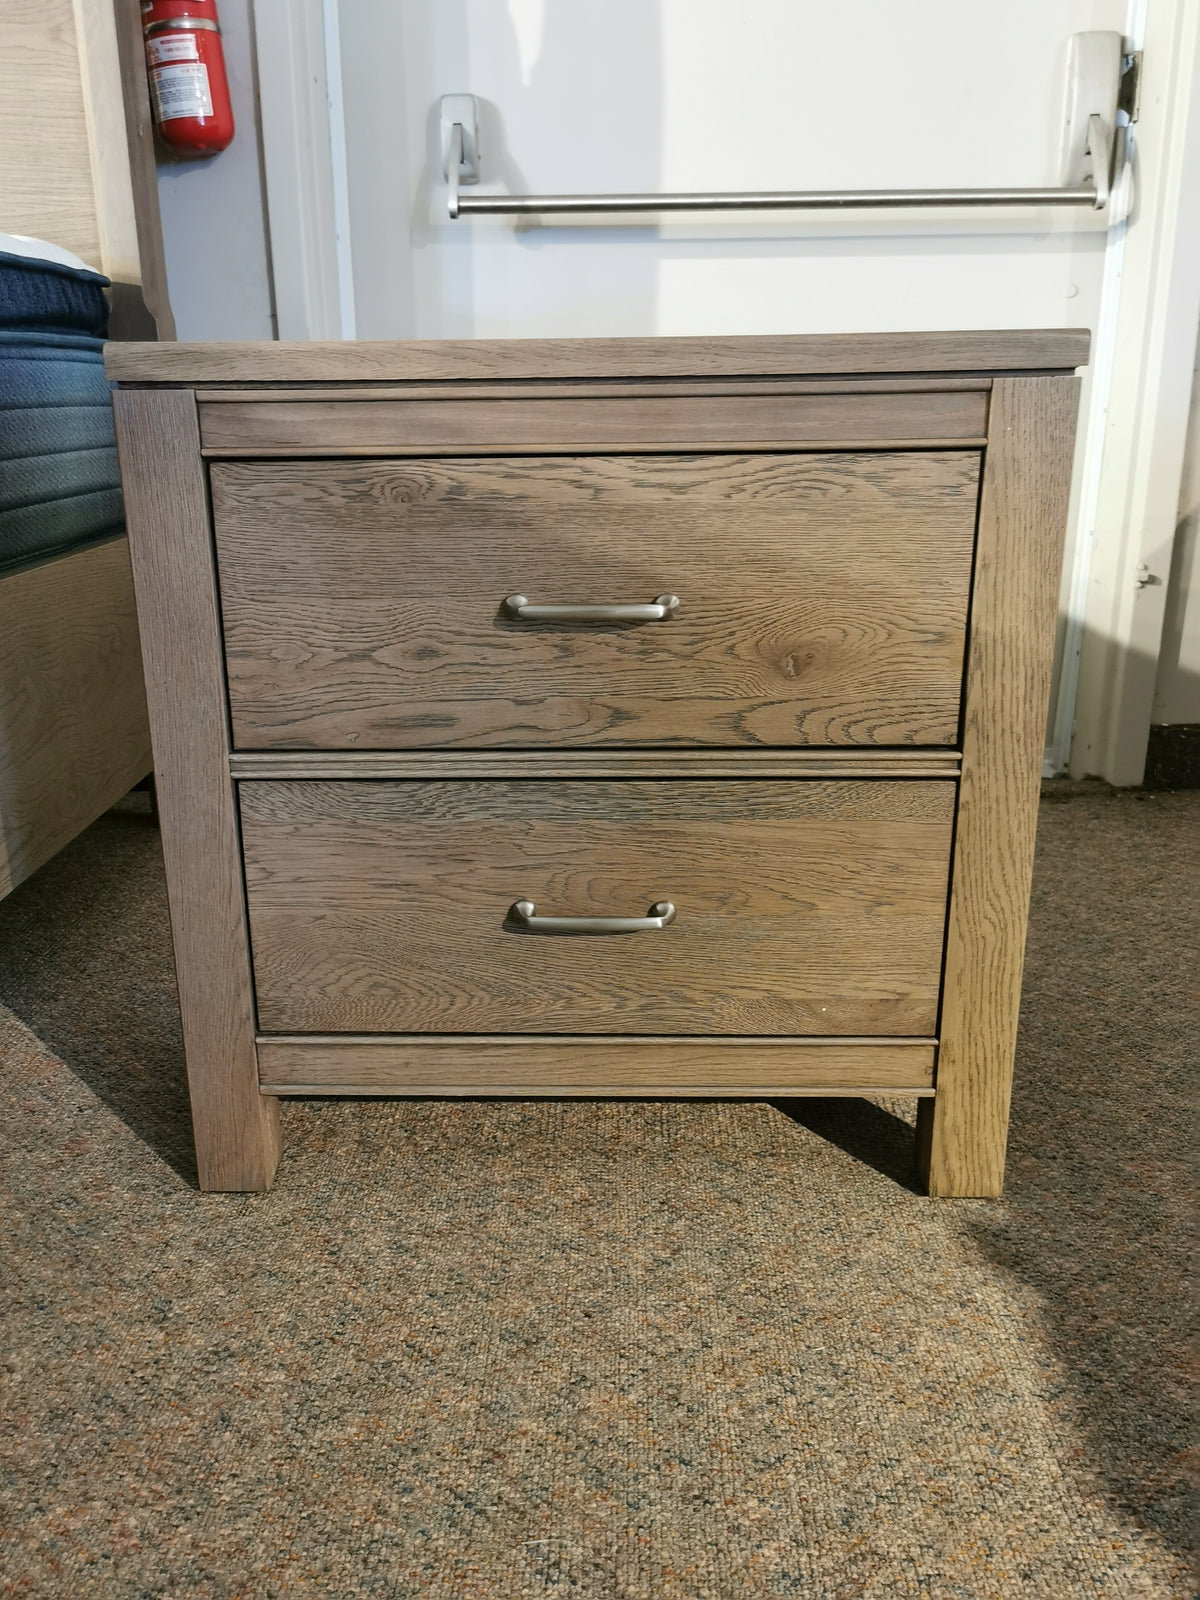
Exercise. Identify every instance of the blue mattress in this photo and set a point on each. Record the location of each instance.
(59, 484)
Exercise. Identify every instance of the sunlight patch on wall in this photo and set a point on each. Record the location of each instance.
(528, 19)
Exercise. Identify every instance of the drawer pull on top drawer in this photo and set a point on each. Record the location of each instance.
(661, 915)
(523, 610)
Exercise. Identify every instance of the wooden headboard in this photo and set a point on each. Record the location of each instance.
(77, 165)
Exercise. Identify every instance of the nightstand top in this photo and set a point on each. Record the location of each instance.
(1025, 350)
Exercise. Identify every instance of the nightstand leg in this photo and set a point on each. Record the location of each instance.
(166, 510)
(962, 1133)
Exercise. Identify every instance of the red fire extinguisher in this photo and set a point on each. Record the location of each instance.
(188, 87)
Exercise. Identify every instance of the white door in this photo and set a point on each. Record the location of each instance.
(632, 95)
(681, 95)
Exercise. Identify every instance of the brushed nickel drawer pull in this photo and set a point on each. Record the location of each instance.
(661, 915)
(521, 608)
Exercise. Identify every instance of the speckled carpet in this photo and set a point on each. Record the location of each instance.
(600, 1350)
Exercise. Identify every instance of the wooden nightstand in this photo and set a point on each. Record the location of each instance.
(634, 717)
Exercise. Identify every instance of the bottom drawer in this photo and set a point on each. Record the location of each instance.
(801, 907)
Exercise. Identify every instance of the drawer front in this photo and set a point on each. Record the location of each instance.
(822, 600)
(802, 908)
(565, 422)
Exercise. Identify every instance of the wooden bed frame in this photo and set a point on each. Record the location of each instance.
(73, 731)
(77, 168)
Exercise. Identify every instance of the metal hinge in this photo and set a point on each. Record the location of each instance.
(1129, 95)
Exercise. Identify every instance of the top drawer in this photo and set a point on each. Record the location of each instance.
(822, 599)
(541, 420)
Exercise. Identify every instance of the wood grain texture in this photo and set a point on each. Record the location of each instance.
(792, 355)
(823, 600)
(1022, 519)
(71, 169)
(520, 1065)
(694, 447)
(75, 735)
(45, 152)
(591, 389)
(597, 764)
(237, 1132)
(810, 907)
(96, 23)
(143, 166)
(689, 422)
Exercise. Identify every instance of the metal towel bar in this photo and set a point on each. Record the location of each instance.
(1094, 193)
(1101, 84)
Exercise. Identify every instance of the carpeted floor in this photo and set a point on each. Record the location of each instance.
(603, 1350)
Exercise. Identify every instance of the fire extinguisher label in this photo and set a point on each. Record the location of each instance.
(172, 47)
(181, 90)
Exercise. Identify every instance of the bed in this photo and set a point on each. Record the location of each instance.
(73, 730)
(77, 168)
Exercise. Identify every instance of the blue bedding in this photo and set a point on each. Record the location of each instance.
(59, 485)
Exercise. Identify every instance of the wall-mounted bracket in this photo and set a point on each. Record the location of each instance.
(1094, 62)
(460, 143)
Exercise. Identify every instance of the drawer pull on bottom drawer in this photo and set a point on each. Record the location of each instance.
(523, 610)
(661, 915)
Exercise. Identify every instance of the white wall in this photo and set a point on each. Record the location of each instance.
(1177, 687)
(214, 214)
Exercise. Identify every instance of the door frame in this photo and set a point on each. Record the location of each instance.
(304, 167)
(1136, 432)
